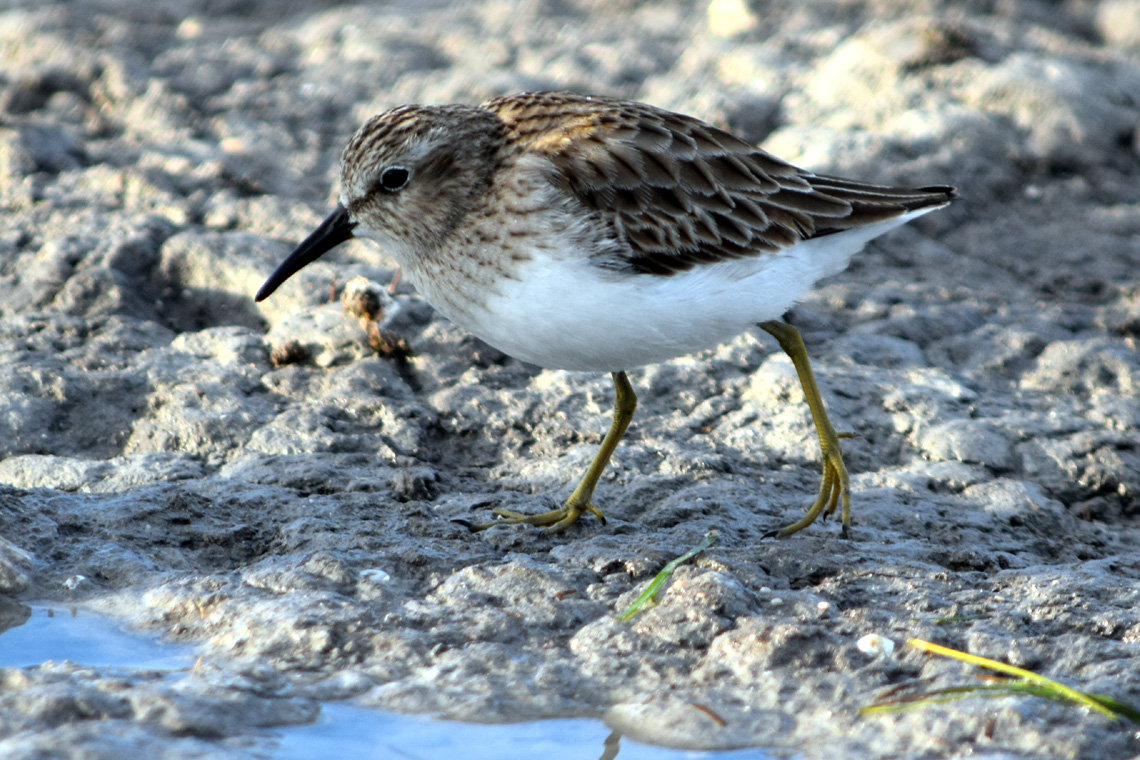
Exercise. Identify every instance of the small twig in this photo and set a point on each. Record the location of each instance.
(708, 711)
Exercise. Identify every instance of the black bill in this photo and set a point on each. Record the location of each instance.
(332, 232)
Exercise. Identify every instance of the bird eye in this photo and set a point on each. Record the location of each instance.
(394, 178)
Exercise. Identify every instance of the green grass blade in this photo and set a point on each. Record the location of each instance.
(1022, 683)
(1054, 689)
(666, 573)
(1124, 710)
(941, 696)
(955, 693)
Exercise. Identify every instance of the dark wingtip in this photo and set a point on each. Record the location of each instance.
(333, 231)
(947, 191)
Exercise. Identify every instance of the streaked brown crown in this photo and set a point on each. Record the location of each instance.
(681, 192)
(450, 153)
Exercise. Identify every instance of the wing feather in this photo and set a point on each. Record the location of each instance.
(678, 192)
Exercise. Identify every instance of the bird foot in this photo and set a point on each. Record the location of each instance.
(554, 521)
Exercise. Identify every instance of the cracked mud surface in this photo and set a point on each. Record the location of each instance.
(257, 480)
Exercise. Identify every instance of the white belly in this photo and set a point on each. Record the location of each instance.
(567, 313)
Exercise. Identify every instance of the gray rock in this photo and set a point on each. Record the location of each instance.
(14, 566)
(967, 441)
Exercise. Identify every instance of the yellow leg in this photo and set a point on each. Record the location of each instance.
(835, 488)
(560, 519)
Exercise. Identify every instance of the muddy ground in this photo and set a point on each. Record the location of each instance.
(166, 461)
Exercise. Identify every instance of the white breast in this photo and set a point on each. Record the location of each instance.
(563, 311)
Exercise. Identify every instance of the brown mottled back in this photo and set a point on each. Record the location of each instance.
(682, 192)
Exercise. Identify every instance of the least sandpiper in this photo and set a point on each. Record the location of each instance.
(589, 233)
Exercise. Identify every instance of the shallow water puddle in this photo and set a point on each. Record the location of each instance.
(345, 730)
(72, 633)
(69, 633)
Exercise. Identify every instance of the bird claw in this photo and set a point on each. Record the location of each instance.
(554, 521)
(834, 492)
